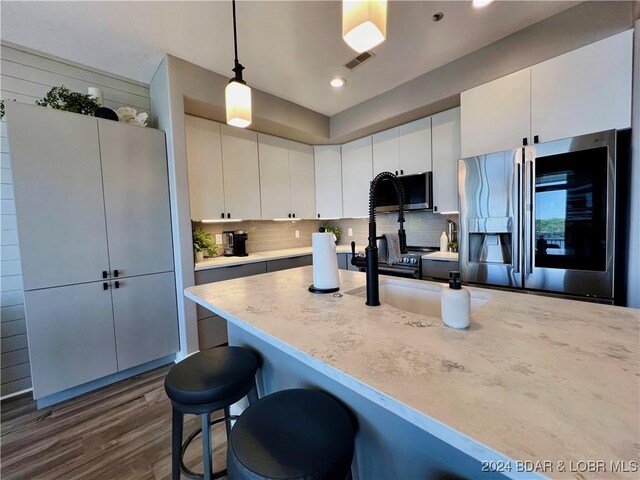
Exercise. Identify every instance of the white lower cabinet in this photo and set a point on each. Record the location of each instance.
(71, 336)
(357, 173)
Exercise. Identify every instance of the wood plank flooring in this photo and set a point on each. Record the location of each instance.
(122, 431)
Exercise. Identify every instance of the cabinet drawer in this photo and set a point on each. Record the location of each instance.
(212, 331)
(229, 273)
(438, 268)
(286, 263)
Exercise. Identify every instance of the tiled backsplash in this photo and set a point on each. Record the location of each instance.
(269, 235)
(423, 228)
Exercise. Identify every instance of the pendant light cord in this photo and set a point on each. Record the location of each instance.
(237, 67)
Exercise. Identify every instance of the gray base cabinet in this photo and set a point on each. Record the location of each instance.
(92, 205)
(71, 336)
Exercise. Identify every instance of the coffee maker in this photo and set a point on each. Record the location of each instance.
(235, 243)
(240, 243)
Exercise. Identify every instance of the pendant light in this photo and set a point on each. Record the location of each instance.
(237, 94)
(364, 23)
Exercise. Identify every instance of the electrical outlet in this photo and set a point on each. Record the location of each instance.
(350, 232)
(219, 238)
(297, 233)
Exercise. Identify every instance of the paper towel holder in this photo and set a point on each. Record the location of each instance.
(313, 289)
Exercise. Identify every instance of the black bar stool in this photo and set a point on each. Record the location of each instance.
(201, 384)
(292, 434)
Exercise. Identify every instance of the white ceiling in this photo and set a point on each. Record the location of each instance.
(289, 48)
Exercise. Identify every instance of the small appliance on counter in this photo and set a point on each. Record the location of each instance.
(228, 243)
(240, 243)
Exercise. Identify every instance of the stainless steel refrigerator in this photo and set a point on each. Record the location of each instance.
(541, 217)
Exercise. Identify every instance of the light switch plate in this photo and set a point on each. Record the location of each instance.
(219, 238)
(297, 233)
(350, 232)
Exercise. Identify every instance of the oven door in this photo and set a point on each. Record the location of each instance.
(569, 216)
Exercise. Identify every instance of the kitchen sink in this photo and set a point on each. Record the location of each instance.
(415, 297)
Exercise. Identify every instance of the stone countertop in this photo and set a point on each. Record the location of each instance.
(449, 256)
(263, 257)
(534, 378)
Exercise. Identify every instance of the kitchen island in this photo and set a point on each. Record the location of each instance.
(548, 381)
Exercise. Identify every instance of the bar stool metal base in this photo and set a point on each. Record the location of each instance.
(190, 473)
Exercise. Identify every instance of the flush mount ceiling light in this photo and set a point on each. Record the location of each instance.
(364, 23)
(237, 94)
(337, 82)
(481, 3)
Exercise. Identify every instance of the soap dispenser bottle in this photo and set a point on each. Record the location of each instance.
(455, 303)
(444, 242)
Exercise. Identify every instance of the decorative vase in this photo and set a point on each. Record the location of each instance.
(199, 256)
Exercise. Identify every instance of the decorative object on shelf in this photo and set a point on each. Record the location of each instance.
(237, 93)
(61, 98)
(364, 23)
(96, 93)
(106, 113)
(203, 243)
(131, 115)
(337, 231)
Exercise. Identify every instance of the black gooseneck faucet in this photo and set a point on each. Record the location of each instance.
(370, 261)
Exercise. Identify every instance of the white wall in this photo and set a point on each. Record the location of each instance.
(26, 77)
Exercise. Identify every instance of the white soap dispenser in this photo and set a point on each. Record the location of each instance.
(455, 303)
(444, 242)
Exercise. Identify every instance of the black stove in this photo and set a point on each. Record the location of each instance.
(410, 265)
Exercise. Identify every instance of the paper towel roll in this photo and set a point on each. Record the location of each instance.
(325, 261)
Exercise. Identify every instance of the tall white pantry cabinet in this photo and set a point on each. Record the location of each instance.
(94, 227)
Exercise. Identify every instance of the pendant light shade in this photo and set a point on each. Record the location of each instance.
(364, 23)
(237, 94)
(238, 101)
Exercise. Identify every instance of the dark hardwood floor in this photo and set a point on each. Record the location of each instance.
(122, 431)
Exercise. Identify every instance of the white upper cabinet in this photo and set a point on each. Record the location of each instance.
(386, 152)
(241, 173)
(328, 169)
(274, 176)
(414, 142)
(302, 180)
(496, 116)
(445, 127)
(584, 91)
(204, 164)
(357, 173)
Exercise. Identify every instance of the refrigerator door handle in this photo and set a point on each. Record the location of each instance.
(529, 201)
(517, 230)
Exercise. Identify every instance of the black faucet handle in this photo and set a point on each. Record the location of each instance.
(353, 248)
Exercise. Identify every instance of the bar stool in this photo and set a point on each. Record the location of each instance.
(292, 434)
(201, 384)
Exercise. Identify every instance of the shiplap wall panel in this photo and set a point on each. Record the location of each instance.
(26, 77)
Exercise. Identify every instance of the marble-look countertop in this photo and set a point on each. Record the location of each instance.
(450, 256)
(221, 261)
(534, 378)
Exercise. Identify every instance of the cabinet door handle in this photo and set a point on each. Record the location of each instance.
(396, 172)
(294, 215)
(222, 215)
(435, 208)
(289, 215)
(105, 274)
(228, 215)
(401, 172)
(536, 139)
(105, 286)
(525, 141)
(116, 273)
(116, 284)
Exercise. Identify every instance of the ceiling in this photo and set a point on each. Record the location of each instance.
(290, 49)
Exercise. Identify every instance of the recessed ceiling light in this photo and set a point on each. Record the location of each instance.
(337, 82)
(437, 16)
(481, 3)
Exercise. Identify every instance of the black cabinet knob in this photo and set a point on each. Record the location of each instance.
(228, 215)
(435, 209)
(536, 139)
(294, 215)
(289, 215)
(116, 273)
(525, 141)
(222, 215)
(318, 215)
(105, 286)
(401, 172)
(116, 284)
(105, 274)
(396, 172)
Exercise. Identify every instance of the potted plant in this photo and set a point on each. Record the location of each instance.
(335, 230)
(203, 242)
(61, 98)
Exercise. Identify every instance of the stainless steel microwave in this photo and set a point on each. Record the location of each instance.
(418, 193)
